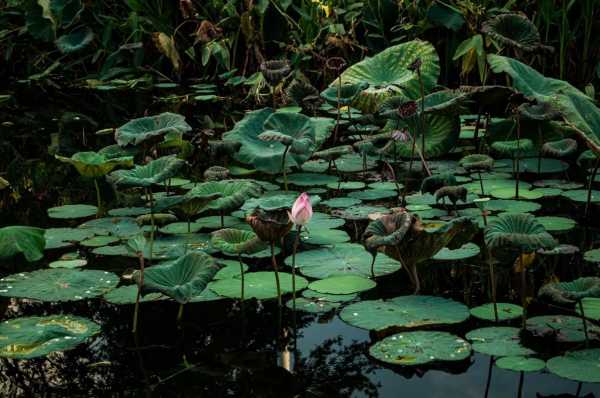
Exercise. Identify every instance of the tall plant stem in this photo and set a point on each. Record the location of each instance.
(517, 162)
(585, 328)
(422, 115)
(242, 278)
(520, 389)
(480, 182)
(180, 314)
(523, 288)
(136, 309)
(339, 111)
(589, 192)
(296, 243)
(152, 224)
(489, 377)
(98, 197)
(276, 269)
(222, 216)
(493, 282)
(283, 168)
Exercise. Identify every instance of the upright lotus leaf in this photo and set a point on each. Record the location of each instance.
(581, 366)
(151, 173)
(274, 71)
(231, 193)
(420, 348)
(446, 102)
(153, 128)
(388, 73)
(388, 230)
(344, 94)
(513, 148)
(514, 30)
(518, 231)
(216, 173)
(309, 134)
(236, 241)
(181, 279)
(58, 284)
(95, 164)
(303, 94)
(38, 336)
(560, 148)
(77, 40)
(571, 292)
(21, 239)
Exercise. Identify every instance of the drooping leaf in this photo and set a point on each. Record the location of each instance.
(95, 164)
(151, 173)
(75, 41)
(146, 128)
(22, 239)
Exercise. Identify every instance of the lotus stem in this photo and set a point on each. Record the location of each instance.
(539, 129)
(276, 269)
(136, 309)
(585, 328)
(493, 283)
(296, 243)
(373, 257)
(241, 277)
(480, 182)
(520, 389)
(523, 288)
(98, 198)
(222, 218)
(339, 111)
(283, 168)
(489, 377)
(152, 223)
(589, 192)
(180, 314)
(476, 133)
(422, 116)
(517, 165)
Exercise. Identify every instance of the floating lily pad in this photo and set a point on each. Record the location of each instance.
(509, 193)
(180, 228)
(530, 165)
(128, 295)
(559, 184)
(230, 270)
(116, 250)
(582, 366)
(498, 341)
(341, 202)
(78, 263)
(309, 179)
(591, 308)
(548, 192)
(65, 237)
(128, 211)
(521, 364)
(346, 284)
(512, 206)
(98, 241)
(258, 285)
(420, 199)
(467, 250)
(404, 312)
(34, 336)
(122, 227)
(373, 194)
(557, 224)
(338, 298)
(72, 211)
(580, 195)
(385, 185)
(314, 306)
(353, 163)
(419, 348)
(506, 311)
(346, 185)
(58, 284)
(359, 212)
(342, 259)
(562, 328)
(593, 256)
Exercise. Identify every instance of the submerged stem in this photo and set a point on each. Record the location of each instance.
(589, 192)
(585, 328)
(98, 197)
(276, 269)
(139, 292)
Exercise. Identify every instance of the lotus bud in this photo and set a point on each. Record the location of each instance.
(302, 210)
(400, 135)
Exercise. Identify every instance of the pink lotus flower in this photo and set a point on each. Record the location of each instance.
(302, 210)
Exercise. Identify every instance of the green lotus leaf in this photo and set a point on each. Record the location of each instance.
(336, 298)
(557, 224)
(539, 111)
(58, 284)
(313, 306)
(512, 206)
(38, 336)
(122, 227)
(518, 232)
(230, 270)
(344, 94)
(98, 241)
(388, 73)
(506, 311)
(75, 41)
(581, 366)
(128, 295)
(359, 212)
(581, 195)
(258, 285)
(477, 162)
(404, 312)
(373, 194)
(342, 259)
(231, 194)
(65, 237)
(334, 153)
(498, 341)
(446, 102)
(419, 348)
(72, 211)
(513, 148)
(236, 241)
(309, 179)
(307, 133)
(571, 292)
(513, 30)
(341, 202)
(467, 250)
(128, 211)
(153, 172)
(345, 284)
(587, 159)
(180, 279)
(591, 308)
(561, 328)
(76, 263)
(521, 364)
(560, 148)
(22, 239)
(146, 128)
(593, 256)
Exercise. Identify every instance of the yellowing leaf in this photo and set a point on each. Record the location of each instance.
(524, 261)
(166, 45)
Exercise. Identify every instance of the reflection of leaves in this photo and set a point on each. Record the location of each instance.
(335, 369)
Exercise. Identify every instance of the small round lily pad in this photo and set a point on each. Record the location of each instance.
(562, 328)
(498, 341)
(385, 185)
(372, 194)
(72, 211)
(345, 284)
(259, 285)
(521, 364)
(419, 348)
(510, 193)
(591, 308)
(338, 298)
(506, 311)
(557, 224)
(346, 185)
(593, 256)
(314, 306)
(580, 195)
(128, 294)
(98, 241)
(341, 202)
(582, 366)
(77, 263)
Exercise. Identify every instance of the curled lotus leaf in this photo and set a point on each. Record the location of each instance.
(538, 111)
(560, 148)
(216, 173)
(587, 159)
(291, 129)
(518, 231)
(147, 128)
(38, 336)
(344, 94)
(571, 292)
(514, 30)
(513, 148)
(274, 71)
(270, 226)
(180, 279)
(22, 239)
(477, 161)
(561, 328)
(151, 173)
(272, 135)
(230, 194)
(236, 241)
(388, 230)
(94, 164)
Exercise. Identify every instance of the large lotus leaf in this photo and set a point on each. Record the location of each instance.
(314, 306)
(518, 231)
(236, 241)
(498, 341)
(258, 285)
(35, 336)
(513, 30)
(581, 366)
(72, 211)
(267, 156)
(180, 279)
(562, 328)
(342, 259)
(22, 239)
(404, 312)
(299, 130)
(232, 193)
(344, 94)
(150, 127)
(58, 284)
(418, 348)
(441, 135)
(388, 73)
(571, 292)
(94, 164)
(448, 102)
(75, 41)
(153, 172)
